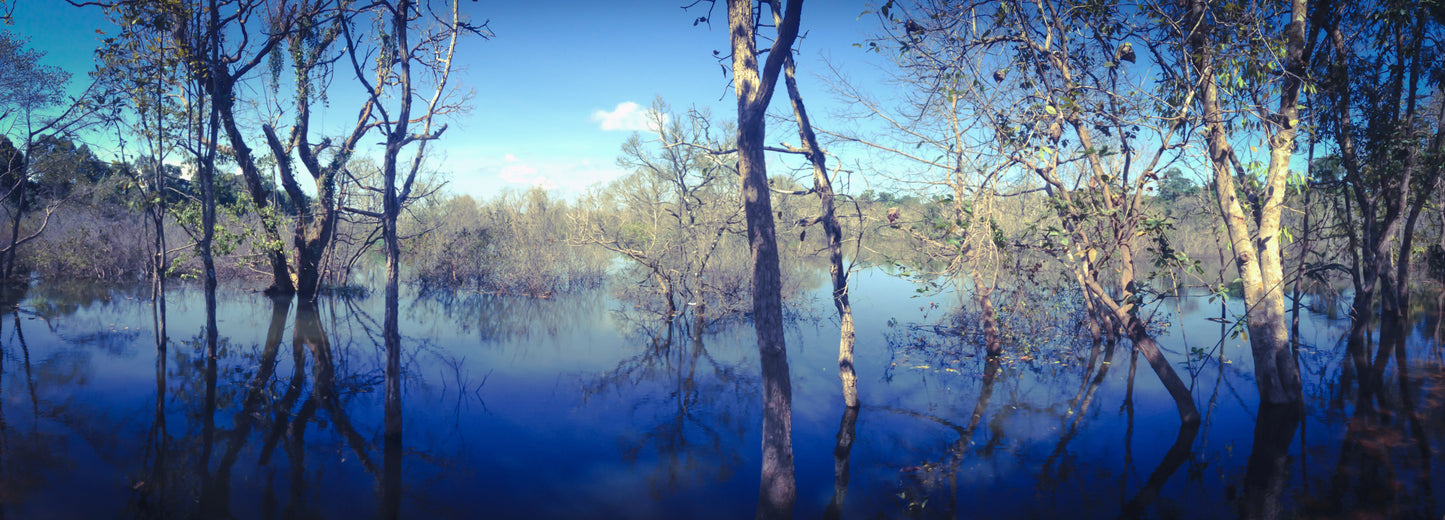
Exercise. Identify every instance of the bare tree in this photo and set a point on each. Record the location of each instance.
(675, 217)
(412, 48)
(823, 187)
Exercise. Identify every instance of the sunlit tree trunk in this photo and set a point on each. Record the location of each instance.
(754, 89)
(823, 186)
(1257, 256)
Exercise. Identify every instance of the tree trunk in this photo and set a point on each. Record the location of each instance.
(834, 233)
(18, 192)
(1139, 335)
(754, 89)
(280, 273)
(1258, 258)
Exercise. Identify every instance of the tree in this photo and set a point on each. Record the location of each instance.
(1176, 186)
(940, 136)
(217, 69)
(142, 80)
(823, 187)
(1377, 96)
(675, 217)
(33, 106)
(1046, 92)
(1216, 53)
(411, 49)
(754, 88)
(311, 56)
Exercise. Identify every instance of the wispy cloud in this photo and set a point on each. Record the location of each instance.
(516, 172)
(628, 117)
(487, 175)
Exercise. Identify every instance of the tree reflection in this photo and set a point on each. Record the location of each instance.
(494, 317)
(697, 419)
(923, 483)
(1268, 469)
(290, 418)
(1177, 455)
(1385, 458)
(1059, 382)
(392, 434)
(847, 432)
(239, 408)
(149, 492)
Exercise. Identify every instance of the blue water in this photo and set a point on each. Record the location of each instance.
(581, 406)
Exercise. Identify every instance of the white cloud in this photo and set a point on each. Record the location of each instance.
(516, 172)
(628, 116)
(485, 175)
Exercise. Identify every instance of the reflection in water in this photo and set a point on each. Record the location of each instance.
(1177, 455)
(392, 429)
(1385, 456)
(937, 482)
(693, 430)
(221, 431)
(1268, 470)
(847, 432)
(296, 411)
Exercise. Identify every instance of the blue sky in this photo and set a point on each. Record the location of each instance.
(556, 88)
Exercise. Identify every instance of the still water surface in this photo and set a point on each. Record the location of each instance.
(578, 406)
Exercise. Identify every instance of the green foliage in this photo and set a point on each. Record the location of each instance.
(1174, 185)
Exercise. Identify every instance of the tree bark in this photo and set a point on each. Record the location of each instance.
(754, 89)
(225, 101)
(1257, 257)
(834, 233)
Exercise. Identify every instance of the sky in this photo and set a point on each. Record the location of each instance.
(561, 84)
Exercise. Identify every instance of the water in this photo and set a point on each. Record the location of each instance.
(579, 406)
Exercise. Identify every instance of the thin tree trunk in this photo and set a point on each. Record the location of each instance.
(206, 178)
(19, 193)
(834, 233)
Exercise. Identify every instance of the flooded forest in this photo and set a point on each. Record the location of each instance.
(1047, 259)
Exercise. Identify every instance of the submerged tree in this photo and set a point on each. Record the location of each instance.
(676, 217)
(1049, 90)
(218, 50)
(937, 138)
(411, 48)
(754, 86)
(1243, 56)
(1381, 114)
(144, 81)
(828, 218)
(310, 49)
